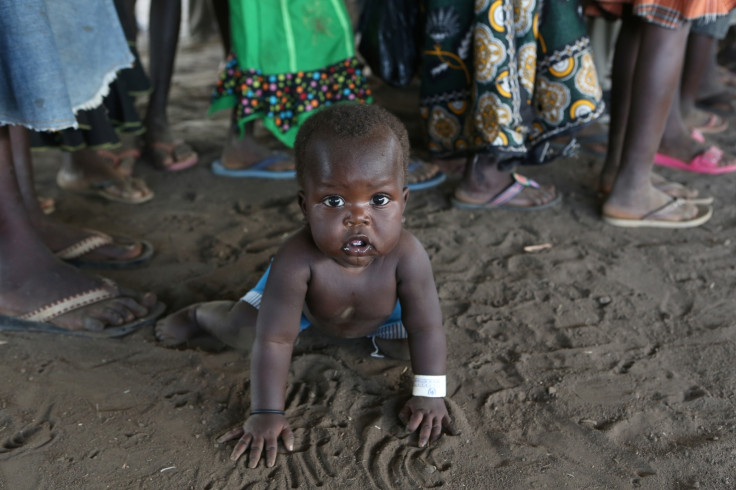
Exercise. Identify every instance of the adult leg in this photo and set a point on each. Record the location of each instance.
(222, 15)
(201, 21)
(624, 60)
(699, 57)
(55, 235)
(242, 151)
(231, 322)
(33, 277)
(678, 140)
(167, 153)
(715, 90)
(656, 72)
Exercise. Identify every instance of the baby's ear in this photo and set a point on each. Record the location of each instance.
(302, 202)
(405, 192)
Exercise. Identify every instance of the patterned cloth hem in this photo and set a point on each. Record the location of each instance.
(46, 126)
(655, 12)
(285, 99)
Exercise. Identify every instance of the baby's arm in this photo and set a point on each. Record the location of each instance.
(276, 329)
(422, 318)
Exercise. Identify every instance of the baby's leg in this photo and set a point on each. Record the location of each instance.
(231, 322)
(394, 348)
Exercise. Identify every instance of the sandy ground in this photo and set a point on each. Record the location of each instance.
(604, 361)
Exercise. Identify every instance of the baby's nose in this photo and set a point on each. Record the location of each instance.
(357, 215)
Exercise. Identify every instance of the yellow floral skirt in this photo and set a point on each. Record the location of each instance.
(505, 77)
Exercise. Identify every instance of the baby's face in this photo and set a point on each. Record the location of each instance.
(354, 195)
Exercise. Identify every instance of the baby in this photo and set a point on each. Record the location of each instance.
(352, 271)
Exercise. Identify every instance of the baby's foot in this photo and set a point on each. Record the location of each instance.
(179, 327)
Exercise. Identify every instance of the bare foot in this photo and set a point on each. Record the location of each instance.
(242, 153)
(449, 165)
(121, 159)
(725, 78)
(88, 173)
(179, 327)
(165, 152)
(673, 189)
(60, 236)
(638, 206)
(421, 171)
(705, 122)
(230, 322)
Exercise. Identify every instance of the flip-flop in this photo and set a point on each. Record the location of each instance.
(649, 219)
(713, 124)
(12, 324)
(499, 200)
(74, 254)
(38, 320)
(102, 188)
(705, 162)
(160, 151)
(257, 170)
(436, 179)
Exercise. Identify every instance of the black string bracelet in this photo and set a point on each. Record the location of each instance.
(267, 410)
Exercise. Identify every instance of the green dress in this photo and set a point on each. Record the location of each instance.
(505, 77)
(289, 58)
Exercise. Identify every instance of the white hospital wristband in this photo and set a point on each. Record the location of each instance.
(430, 386)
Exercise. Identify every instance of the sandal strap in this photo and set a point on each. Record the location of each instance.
(513, 189)
(672, 203)
(525, 181)
(84, 246)
(713, 155)
(65, 305)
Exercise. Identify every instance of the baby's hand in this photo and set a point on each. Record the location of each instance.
(260, 432)
(428, 413)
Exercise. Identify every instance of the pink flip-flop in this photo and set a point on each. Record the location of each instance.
(703, 163)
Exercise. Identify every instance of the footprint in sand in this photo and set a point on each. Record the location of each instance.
(26, 439)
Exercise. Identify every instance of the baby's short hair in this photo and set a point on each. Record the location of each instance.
(349, 120)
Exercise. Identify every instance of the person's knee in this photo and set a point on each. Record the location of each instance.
(241, 314)
(394, 348)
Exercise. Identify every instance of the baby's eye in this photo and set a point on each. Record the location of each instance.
(333, 201)
(380, 200)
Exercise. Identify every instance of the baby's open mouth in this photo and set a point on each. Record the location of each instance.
(356, 246)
